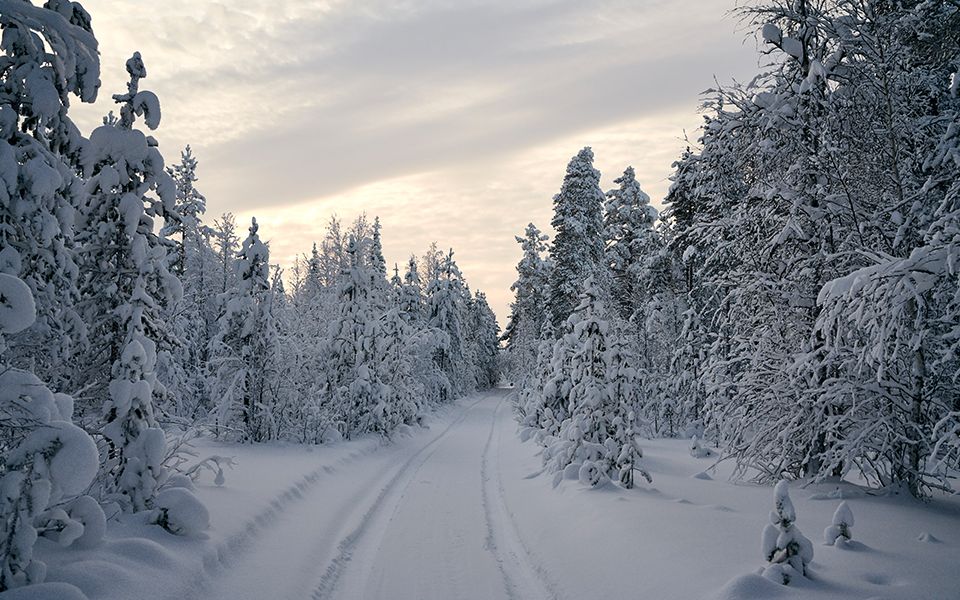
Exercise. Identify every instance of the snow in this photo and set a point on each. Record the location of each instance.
(771, 33)
(464, 509)
(45, 591)
(839, 529)
(178, 511)
(17, 309)
(74, 466)
(88, 513)
(792, 46)
(147, 104)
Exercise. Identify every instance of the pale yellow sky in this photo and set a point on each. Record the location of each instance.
(452, 121)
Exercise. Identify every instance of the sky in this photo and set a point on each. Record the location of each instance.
(452, 121)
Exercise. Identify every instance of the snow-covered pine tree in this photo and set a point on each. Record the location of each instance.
(226, 244)
(423, 341)
(49, 54)
(526, 312)
(411, 296)
(642, 293)
(354, 386)
(377, 263)
(405, 392)
(596, 439)
(184, 369)
(531, 400)
(484, 335)
(785, 548)
(628, 221)
(623, 407)
(190, 204)
(245, 348)
(838, 532)
(577, 249)
(446, 305)
(127, 290)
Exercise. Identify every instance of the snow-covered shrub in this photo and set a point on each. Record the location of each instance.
(785, 548)
(697, 450)
(839, 531)
(178, 511)
(45, 458)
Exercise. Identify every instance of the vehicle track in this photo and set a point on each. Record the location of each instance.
(242, 545)
(390, 495)
(524, 578)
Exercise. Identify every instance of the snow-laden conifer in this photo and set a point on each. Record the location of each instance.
(785, 548)
(839, 530)
(245, 348)
(577, 249)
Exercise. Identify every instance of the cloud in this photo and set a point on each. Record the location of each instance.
(435, 115)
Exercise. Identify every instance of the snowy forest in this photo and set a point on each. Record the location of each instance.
(184, 416)
(127, 319)
(797, 301)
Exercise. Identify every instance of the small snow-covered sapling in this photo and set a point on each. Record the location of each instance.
(697, 450)
(785, 548)
(839, 531)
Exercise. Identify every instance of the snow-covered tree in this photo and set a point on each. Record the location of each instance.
(352, 362)
(483, 341)
(411, 295)
(190, 206)
(184, 368)
(577, 249)
(226, 243)
(630, 245)
(446, 306)
(49, 54)
(786, 550)
(127, 289)
(816, 284)
(45, 460)
(623, 403)
(245, 348)
(597, 438)
(526, 312)
(838, 532)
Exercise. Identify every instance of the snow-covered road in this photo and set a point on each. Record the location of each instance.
(425, 521)
(461, 509)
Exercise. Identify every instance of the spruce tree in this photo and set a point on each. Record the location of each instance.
(127, 289)
(577, 249)
(245, 348)
(630, 244)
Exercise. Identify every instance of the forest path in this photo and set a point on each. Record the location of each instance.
(423, 518)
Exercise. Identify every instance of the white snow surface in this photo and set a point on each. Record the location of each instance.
(462, 509)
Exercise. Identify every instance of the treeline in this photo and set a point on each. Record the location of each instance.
(797, 303)
(344, 351)
(113, 290)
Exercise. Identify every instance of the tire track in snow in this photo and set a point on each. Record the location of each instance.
(236, 545)
(347, 546)
(221, 558)
(523, 577)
